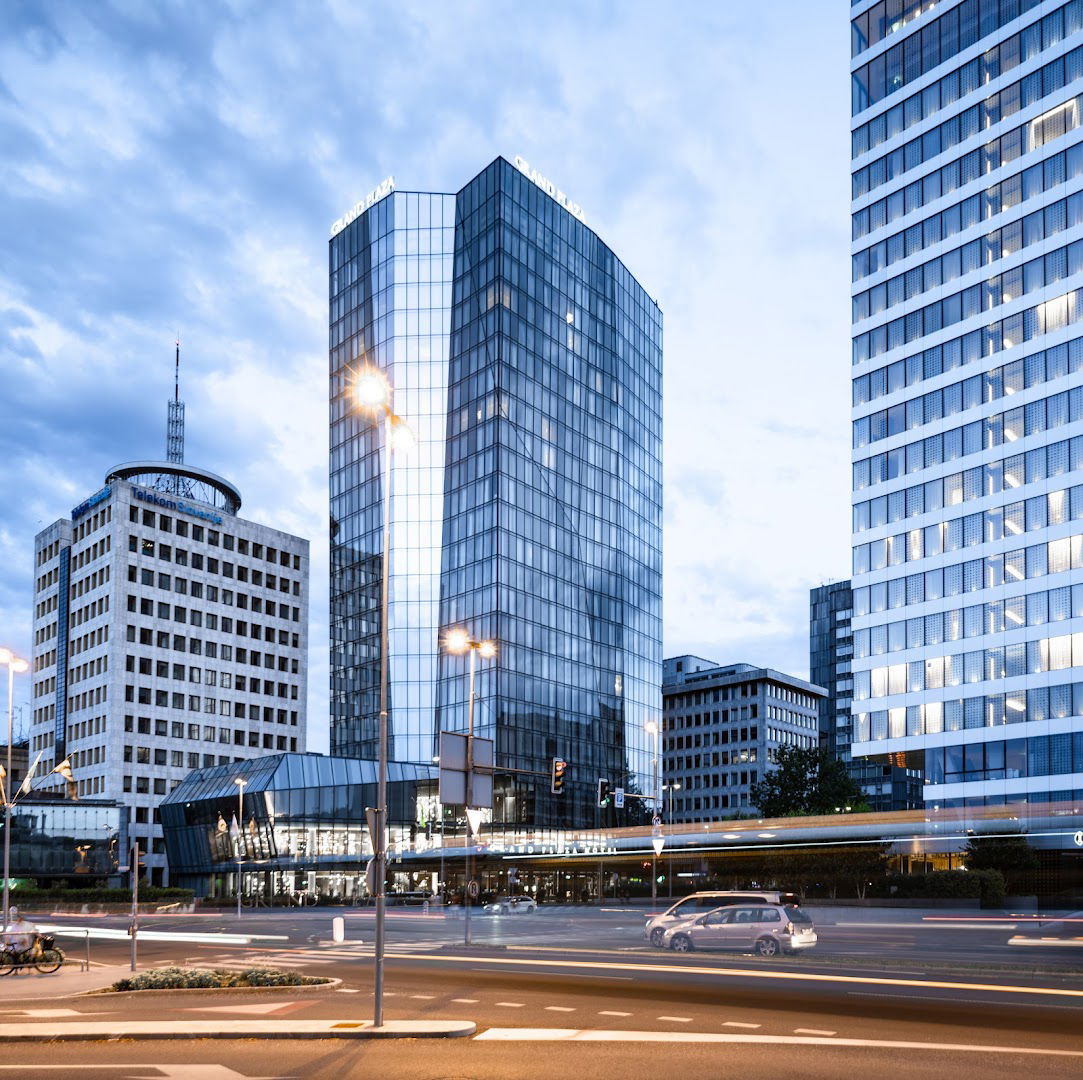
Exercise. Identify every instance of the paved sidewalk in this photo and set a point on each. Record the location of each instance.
(236, 1029)
(22, 986)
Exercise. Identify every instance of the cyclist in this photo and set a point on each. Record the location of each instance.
(21, 933)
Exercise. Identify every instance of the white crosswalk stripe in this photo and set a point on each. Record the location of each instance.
(367, 948)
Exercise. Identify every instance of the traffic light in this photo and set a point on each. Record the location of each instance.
(603, 792)
(556, 778)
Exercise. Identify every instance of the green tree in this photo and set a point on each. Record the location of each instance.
(854, 867)
(1010, 854)
(806, 781)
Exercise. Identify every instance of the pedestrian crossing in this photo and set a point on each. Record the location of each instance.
(348, 950)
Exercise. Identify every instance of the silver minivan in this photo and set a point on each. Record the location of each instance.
(767, 929)
(702, 902)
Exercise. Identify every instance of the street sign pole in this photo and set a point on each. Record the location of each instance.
(134, 929)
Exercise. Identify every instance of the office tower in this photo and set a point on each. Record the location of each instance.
(967, 395)
(723, 727)
(169, 634)
(527, 361)
(885, 786)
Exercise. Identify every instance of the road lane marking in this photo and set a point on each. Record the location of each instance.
(942, 1000)
(558, 1008)
(750, 973)
(262, 1009)
(612, 1012)
(159, 1070)
(422, 997)
(1072, 943)
(812, 1031)
(738, 1023)
(345, 990)
(593, 1035)
(511, 1004)
(44, 1014)
(873, 927)
(574, 975)
(465, 1001)
(676, 1019)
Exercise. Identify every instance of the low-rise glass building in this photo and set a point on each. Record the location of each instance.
(296, 825)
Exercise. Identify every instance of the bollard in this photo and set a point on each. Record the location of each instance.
(338, 929)
(425, 908)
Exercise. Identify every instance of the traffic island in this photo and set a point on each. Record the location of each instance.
(144, 1030)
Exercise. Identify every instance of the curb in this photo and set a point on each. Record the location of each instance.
(236, 1029)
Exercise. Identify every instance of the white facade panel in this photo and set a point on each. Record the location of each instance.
(169, 634)
(968, 396)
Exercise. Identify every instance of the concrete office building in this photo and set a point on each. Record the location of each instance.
(169, 634)
(723, 726)
(967, 215)
(885, 786)
(527, 360)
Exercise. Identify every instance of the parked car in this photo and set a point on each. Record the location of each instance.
(767, 929)
(512, 905)
(702, 902)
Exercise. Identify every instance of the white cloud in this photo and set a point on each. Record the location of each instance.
(176, 168)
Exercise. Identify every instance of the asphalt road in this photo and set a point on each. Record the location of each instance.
(907, 998)
(532, 1021)
(896, 939)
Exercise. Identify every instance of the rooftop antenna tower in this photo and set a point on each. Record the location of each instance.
(174, 438)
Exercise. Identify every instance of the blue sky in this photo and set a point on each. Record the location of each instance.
(173, 168)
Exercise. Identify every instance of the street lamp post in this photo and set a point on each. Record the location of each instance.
(672, 786)
(373, 391)
(459, 641)
(240, 782)
(15, 665)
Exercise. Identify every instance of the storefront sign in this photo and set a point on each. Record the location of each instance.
(176, 504)
(549, 187)
(90, 503)
(359, 208)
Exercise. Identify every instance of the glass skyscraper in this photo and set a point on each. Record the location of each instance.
(967, 173)
(527, 360)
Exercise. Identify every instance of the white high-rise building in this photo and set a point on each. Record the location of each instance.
(169, 634)
(967, 172)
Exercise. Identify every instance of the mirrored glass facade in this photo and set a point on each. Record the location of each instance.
(968, 396)
(298, 813)
(56, 841)
(528, 361)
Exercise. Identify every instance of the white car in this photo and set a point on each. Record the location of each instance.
(513, 905)
(767, 929)
(702, 902)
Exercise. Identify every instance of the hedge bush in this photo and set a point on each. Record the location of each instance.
(170, 978)
(147, 894)
(175, 978)
(988, 885)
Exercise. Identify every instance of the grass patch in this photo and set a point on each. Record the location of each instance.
(176, 978)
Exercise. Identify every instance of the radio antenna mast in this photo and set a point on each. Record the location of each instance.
(174, 439)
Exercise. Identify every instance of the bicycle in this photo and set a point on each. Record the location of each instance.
(43, 955)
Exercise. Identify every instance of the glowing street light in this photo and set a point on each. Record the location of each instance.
(459, 641)
(372, 391)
